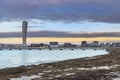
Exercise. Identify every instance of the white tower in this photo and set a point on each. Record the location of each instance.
(24, 31)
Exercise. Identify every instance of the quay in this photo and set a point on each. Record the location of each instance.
(63, 48)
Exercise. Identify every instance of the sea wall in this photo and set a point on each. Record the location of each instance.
(113, 50)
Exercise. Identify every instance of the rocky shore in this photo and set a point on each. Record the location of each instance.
(104, 67)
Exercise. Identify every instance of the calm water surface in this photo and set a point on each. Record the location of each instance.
(15, 58)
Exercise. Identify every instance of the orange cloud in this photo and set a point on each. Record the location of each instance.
(48, 39)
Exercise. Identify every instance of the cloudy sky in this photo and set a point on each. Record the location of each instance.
(61, 18)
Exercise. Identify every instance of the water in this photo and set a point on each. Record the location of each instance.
(15, 58)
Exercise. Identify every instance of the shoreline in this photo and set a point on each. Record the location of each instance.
(60, 48)
(36, 57)
(96, 67)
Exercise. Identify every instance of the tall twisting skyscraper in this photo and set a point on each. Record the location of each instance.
(24, 31)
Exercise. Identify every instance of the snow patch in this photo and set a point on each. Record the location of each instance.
(89, 58)
(58, 70)
(100, 68)
(58, 76)
(26, 77)
(48, 71)
(69, 74)
(116, 78)
(40, 74)
(116, 74)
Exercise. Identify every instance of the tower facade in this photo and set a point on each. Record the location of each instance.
(24, 31)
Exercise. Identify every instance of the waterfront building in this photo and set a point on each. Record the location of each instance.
(112, 45)
(115, 44)
(108, 44)
(94, 44)
(53, 44)
(102, 45)
(37, 45)
(24, 31)
(69, 45)
(84, 44)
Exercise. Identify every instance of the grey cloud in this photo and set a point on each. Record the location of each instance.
(60, 34)
(64, 10)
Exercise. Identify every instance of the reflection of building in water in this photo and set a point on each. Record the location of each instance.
(24, 31)
(24, 57)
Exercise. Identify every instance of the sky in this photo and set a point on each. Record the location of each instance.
(60, 19)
